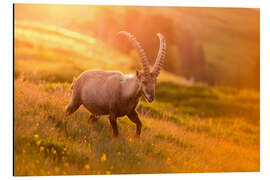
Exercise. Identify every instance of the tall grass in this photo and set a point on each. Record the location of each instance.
(51, 143)
(186, 129)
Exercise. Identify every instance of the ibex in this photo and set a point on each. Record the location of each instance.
(116, 94)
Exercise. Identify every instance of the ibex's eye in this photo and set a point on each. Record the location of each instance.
(145, 82)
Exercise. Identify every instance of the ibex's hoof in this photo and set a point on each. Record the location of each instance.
(137, 136)
(115, 138)
(67, 114)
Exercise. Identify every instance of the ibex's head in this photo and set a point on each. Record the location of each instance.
(146, 78)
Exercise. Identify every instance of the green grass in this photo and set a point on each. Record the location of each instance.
(42, 113)
(186, 129)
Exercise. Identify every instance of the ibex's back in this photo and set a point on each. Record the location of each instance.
(114, 93)
(103, 91)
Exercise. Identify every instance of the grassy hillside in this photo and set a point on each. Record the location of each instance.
(54, 54)
(186, 129)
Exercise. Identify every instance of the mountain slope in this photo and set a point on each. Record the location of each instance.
(56, 54)
(191, 128)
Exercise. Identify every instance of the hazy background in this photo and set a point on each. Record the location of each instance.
(206, 113)
(217, 46)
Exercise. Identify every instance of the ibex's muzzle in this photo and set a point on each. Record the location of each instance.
(150, 98)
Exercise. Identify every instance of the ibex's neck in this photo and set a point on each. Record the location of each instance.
(130, 87)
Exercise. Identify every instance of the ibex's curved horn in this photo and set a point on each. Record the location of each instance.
(140, 51)
(161, 55)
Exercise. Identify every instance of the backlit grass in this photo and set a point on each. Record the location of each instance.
(186, 129)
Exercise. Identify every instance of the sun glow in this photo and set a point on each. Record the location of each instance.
(206, 114)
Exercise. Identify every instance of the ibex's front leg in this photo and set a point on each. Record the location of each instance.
(133, 116)
(114, 124)
(92, 119)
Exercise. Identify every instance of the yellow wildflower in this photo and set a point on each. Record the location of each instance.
(108, 172)
(38, 143)
(87, 166)
(118, 153)
(41, 148)
(169, 161)
(36, 136)
(103, 157)
(56, 169)
(66, 164)
(53, 150)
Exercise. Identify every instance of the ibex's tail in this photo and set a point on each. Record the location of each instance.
(73, 82)
(75, 101)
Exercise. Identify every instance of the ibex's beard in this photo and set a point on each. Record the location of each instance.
(149, 98)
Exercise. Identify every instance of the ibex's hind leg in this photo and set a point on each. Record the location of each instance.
(114, 124)
(93, 118)
(133, 116)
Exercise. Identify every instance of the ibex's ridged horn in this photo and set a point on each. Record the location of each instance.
(140, 51)
(161, 55)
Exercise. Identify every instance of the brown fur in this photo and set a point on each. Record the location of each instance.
(113, 93)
